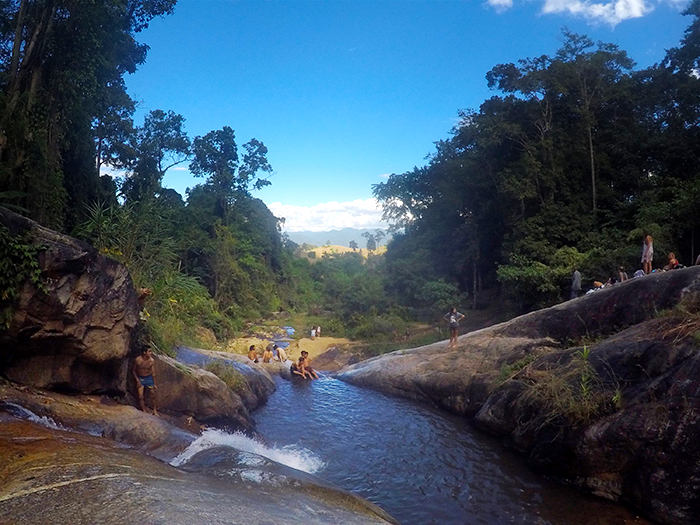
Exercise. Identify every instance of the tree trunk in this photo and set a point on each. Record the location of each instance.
(475, 281)
(590, 150)
(17, 44)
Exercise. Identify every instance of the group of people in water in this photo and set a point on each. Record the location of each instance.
(646, 269)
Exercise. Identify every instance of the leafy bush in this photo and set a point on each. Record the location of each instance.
(439, 296)
(18, 263)
(529, 284)
(378, 327)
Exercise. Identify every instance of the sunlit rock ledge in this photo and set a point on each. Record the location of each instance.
(602, 392)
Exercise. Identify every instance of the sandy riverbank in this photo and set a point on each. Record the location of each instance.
(315, 347)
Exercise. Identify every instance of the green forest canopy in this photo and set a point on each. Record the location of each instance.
(575, 156)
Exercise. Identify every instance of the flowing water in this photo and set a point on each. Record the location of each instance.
(421, 465)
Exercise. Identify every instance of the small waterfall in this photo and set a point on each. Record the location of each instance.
(21, 412)
(289, 455)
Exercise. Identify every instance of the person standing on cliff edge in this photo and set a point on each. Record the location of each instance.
(647, 253)
(145, 373)
(575, 284)
(453, 317)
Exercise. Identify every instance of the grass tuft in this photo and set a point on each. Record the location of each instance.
(228, 374)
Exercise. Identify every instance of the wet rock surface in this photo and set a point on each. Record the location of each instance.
(334, 359)
(53, 477)
(619, 416)
(162, 437)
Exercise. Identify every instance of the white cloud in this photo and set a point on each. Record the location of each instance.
(500, 5)
(361, 214)
(609, 12)
(106, 169)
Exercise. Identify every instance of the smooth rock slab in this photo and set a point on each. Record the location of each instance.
(53, 478)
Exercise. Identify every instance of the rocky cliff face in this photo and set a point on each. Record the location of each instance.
(73, 334)
(619, 415)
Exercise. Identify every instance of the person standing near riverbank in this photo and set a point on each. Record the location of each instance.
(145, 373)
(575, 284)
(647, 253)
(453, 317)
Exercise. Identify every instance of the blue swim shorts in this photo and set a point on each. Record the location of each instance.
(147, 381)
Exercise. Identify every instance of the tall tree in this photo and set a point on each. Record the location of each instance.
(216, 157)
(160, 144)
(63, 55)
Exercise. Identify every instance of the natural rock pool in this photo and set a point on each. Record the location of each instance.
(421, 465)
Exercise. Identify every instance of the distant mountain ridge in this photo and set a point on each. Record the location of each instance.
(339, 237)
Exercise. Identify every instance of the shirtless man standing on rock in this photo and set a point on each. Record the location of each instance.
(145, 372)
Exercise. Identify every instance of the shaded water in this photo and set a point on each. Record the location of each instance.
(421, 465)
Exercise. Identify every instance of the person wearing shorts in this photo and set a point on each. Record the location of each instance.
(144, 371)
(453, 317)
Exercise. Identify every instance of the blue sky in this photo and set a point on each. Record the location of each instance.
(345, 92)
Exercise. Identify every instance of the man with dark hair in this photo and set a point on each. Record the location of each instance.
(145, 372)
(305, 365)
(252, 354)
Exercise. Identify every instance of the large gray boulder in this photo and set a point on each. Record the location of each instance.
(73, 334)
(195, 392)
(618, 416)
(256, 384)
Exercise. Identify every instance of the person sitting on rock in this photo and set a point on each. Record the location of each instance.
(267, 355)
(622, 274)
(252, 354)
(144, 371)
(305, 365)
(672, 262)
(298, 369)
(282, 355)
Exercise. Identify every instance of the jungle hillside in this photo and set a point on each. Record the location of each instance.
(574, 159)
